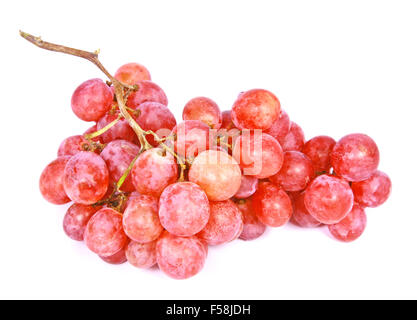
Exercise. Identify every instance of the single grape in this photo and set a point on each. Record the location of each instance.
(156, 117)
(72, 145)
(76, 219)
(153, 171)
(351, 227)
(121, 130)
(91, 100)
(318, 149)
(179, 257)
(141, 220)
(118, 258)
(192, 137)
(255, 109)
(258, 154)
(132, 73)
(224, 225)
(300, 215)
(217, 173)
(373, 191)
(294, 140)
(281, 127)
(141, 255)
(272, 205)
(104, 233)
(51, 182)
(86, 178)
(118, 155)
(203, 109)
(355, 157)
(328, 199)
(183, 209)
(296, 172)
(147, 91)
(248, 187)
(252, 227)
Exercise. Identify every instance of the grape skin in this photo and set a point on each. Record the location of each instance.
(192, 137)
(86, 178)
(121, 130)
(252, 227)
(51, 182)
(184, 209)
(118, 258)
(318, 149)
(76, 219)
(141, 255)
(294, 140)
(248, 187)
(148, 91)
(72, 145)
(205, 110)
(132, 73)
(351, 227)
(280, 127)
(300, 215)
(373, 191)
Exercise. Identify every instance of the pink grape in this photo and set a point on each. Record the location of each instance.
(184, 209)
(86, 178)
(280, 127)
(351, 227)
(118, 258)
(148, 91)
(300, 214)
(118, 155)
(217, 173)
(104, 233)
(179, 257)
(252, 227)
(51, 182)
(121, 130)
(141, 220)
(272, 205)
(132, 73)
(76, 219)
(296, 172)
(72, 145)
(248, 187)
(156, 117)
(192, 137)
(318, 149)
(258, 154)
(294, 140)
(203, 109)
(328, 199)
(141, 255)
(153, 171)
(91, 100)
(255, 109)
(355, 157)
(373, 191)
(224, 225)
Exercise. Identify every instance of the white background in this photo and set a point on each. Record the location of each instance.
(338, 67)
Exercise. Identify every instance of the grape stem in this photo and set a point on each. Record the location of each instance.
(97, 133)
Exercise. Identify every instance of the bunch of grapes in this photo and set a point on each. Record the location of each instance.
(151, 191)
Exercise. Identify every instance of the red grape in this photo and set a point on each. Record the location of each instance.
(153, 171)
(296, 172)
(141, 220)
(281, 127)
(258, 154)
(132, 73)
(294, 140)
(104, 233)
(118, 155)
(76, 219)
(351, 227)
(91, 100)
(355, 157)
(118, 258)
(255, 109)
(328, 199)
(300, 214)
(252, 227)
(318, 149)
(156, 117)
(203, 109)
(183, 209)
(248, 187)
(51, 182)
(217, 173)
(72, 145)
(373, 191)
(147, 91)
(224, 225)
(86, 178)
(227, 122)
(121, 130)
(272, 205)
(192, 137)
(141, 255)
(178, 257)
